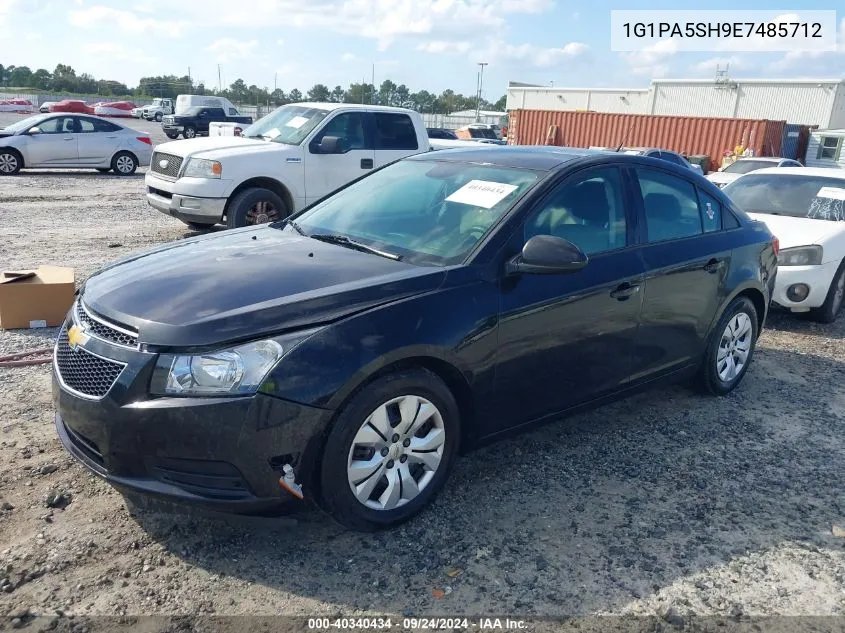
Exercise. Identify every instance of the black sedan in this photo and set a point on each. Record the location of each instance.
(345, 355)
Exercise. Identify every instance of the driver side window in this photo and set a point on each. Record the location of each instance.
(587, 210)
(350, 128)
(57, 125)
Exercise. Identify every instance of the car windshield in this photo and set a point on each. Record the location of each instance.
(745, 166)
(427, 212)
(25, 124)
(813, 197)
(289, 124)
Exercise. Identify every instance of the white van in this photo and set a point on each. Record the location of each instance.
(183, 102)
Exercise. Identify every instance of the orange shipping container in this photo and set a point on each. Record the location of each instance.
(705, 136)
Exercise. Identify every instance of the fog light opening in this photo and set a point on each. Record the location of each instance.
(798, 292)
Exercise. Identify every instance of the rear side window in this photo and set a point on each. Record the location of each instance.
(395, 131)
(670, 204)
(96, 125)
(711, 212)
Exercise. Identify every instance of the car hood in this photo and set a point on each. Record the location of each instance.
(220, 147)
(792, 231)
(246, 283)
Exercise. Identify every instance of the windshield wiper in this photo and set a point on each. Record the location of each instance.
(295, 226)
(342, 240)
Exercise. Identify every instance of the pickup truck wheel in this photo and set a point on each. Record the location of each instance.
(158, 117)
(189, 132)
(255, 206)
(172, 134)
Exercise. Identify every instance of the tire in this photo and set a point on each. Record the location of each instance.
(173, 135)
(158, 117)
(739, 315)
(104, 170)
(829, 310)
(349, 441)
(255, 206)
(200, 226)
(189, 132)
(10, 162)
(124, 164)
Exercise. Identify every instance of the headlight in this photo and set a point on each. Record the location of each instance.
(233, 371)
(202, 168)
(800, 256)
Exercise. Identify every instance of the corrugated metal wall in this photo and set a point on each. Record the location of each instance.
(687, 100)
(541, 98)
(691, 135)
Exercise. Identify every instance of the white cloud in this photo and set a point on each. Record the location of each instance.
(118, 52)
(709, 66)
(442, 46)
(228, 49)
(33, 37)
(653, 60)
(814, 63)
(349, 57)
(107, 17)
(498, 51)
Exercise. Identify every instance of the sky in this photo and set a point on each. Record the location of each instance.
(425, 44)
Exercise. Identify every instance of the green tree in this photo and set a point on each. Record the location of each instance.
(500, 105)
(337, 95)
(319, 92)
(386, 92)
(423, 101)
(294, 96)
(41, 79)
(20, 77)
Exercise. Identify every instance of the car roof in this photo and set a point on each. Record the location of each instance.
(827, 172)
(544, 158)
(348, 106)
(766, 159)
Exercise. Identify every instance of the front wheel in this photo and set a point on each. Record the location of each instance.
(829, 310)
(255, 206)
(731, 347)
(158, 117)
(10, 162)
(390, 450)
(189, 132)
(172, 134)
(124, 164)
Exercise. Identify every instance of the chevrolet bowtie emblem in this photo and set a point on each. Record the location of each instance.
(76, 337)
(163, 163)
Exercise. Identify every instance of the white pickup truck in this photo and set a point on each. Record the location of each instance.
(293, 156)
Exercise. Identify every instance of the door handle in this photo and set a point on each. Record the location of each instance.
(68, 138)
(366, 163)
(625, 291)
(112, 136)
(713, 266)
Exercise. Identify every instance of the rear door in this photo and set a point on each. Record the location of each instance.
(326, 172)
(98, 141)
(395, 137)
(56, 145)
(686, 263)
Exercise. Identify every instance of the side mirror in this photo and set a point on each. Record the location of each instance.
(331, 145)
(34, 130)
(547, 255)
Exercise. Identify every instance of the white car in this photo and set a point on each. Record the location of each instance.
(64, 140)
(44, 108)
(804, 208)
(728, 174)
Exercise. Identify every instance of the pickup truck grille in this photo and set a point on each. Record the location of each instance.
(166, 164)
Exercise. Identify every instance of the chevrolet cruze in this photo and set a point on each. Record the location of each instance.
(347, 354)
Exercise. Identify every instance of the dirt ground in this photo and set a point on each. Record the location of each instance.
(666, 504)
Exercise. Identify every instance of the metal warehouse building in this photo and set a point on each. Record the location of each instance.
(814, 102)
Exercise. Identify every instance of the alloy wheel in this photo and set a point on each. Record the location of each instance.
(124, 164)
(396, 452)
(734, 347)
(262, 213)
(8, 163)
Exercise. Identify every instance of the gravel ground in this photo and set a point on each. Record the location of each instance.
(666, 504)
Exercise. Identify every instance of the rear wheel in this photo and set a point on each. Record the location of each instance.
(10, 162)
(172, 134)
(255, 206)
(124, 164)
(731, 348)
(189, 132)
(390, 451)
(829, 310)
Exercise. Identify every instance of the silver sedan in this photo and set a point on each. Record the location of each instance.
(64, 140)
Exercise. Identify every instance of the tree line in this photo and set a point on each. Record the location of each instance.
(65, 79)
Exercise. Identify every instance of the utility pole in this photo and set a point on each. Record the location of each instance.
(189, 75)
(275, 81)
(373, 99)
(219, 80)
(480, 89)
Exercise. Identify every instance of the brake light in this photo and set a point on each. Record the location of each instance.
(775, 245)
(145, 139)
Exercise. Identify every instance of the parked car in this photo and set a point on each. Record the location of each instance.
(805, 208)
(292, 157)
(138, 113)
(195, 121)
(72, 105)
(57, 140)
(346, 354)
(20, 106)
(44, 108)
(441, 133)
(662, 154)
(157, 110)
(480, 133)
(728, 174)
(115, 109)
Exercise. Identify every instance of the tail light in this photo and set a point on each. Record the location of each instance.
(145, 139)
(775, 245)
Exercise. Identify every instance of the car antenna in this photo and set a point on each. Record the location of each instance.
(625, 138)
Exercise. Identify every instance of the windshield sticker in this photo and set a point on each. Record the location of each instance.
(297, 122)
(837, 193)
(710, 212)
(271, 134)
(482, 193)
(827, 209)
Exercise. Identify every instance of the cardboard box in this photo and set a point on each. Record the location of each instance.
(35, 298)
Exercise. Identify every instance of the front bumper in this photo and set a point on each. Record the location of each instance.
(187, 208)
(818, 278)
(224, 454)
(172, 128)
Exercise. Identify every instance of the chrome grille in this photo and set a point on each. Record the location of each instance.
(98, 327)
(173, 164)
(82, 372)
